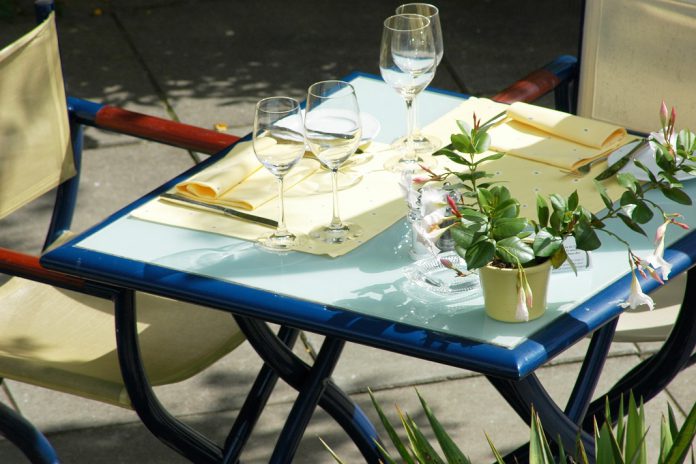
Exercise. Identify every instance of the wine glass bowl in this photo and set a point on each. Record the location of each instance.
(424, 143)
(407, 63)
(433, 14)
(333, 131)
(278, 144)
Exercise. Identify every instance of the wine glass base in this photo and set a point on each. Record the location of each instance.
(337, 235)
(278, 243)
(422, 144)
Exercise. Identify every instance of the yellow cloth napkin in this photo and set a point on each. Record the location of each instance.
(374, 203)
(541, 134)
(239, 181)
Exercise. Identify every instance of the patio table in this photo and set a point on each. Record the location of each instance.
(364, 297)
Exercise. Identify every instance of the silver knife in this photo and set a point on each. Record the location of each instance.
(220, 209)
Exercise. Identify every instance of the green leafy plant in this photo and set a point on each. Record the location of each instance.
(483, 218)
(622, 444)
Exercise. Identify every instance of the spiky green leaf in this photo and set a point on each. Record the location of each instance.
(393, 436)
(683, 439)
(452, 453)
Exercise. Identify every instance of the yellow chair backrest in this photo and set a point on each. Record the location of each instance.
(636, 53)
(35, 150)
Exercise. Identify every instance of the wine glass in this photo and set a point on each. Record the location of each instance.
(407, 63)
(333, 130)
(279, 144)
(425, 143)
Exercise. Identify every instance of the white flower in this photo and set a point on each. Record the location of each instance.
(433, 199)
(521, 311)
(659, 137)
(428, 235)
(435, 218)
(656, 259)
(637, 297)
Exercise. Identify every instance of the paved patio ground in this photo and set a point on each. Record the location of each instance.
(209, 61)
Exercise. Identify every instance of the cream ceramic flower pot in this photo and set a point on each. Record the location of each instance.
(500, 290)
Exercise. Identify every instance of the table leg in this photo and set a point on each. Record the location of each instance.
(294, 371)
(528, 393)
(255, 403)
(590, 371)
(307, 401)
(652, 375)
(579, 400)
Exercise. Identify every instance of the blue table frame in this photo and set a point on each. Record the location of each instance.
(511, 370)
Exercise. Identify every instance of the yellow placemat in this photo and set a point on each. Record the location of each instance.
(374, 203)
(539, 134)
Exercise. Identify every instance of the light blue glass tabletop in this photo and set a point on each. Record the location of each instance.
(363, 296)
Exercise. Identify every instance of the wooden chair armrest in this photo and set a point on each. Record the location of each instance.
(28, 266)
(149, 127)
(540, 82)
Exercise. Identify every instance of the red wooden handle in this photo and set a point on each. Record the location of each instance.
(23, 265)
(529, 88)
(163, 130)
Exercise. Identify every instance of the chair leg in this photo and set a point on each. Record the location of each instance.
(26, 437)
(169, 430)
(66, 194)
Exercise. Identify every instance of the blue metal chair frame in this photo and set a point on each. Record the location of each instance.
(314, 382)
(276, 349)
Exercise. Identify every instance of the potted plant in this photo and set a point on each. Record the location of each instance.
(514, 254)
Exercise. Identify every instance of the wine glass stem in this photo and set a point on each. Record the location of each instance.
(281, 230)
(415, 129)
(410, 126)
(335, 219)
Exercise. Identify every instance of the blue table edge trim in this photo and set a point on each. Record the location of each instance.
(482, 357)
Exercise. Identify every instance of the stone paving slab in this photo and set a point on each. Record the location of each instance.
(212, 61)
(467, 408)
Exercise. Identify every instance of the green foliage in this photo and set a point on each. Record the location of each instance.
(487, 229)
(622, 444)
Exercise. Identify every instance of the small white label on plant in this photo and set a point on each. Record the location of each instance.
(581, 259)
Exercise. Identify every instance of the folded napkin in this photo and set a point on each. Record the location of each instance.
(543, 135)
(239, 181)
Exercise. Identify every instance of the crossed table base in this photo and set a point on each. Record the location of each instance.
(315, 387)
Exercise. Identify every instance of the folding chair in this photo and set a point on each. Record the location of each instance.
(57, 331)
(632, 55)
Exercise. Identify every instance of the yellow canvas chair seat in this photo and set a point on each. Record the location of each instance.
(65, 340)
(62, 339)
